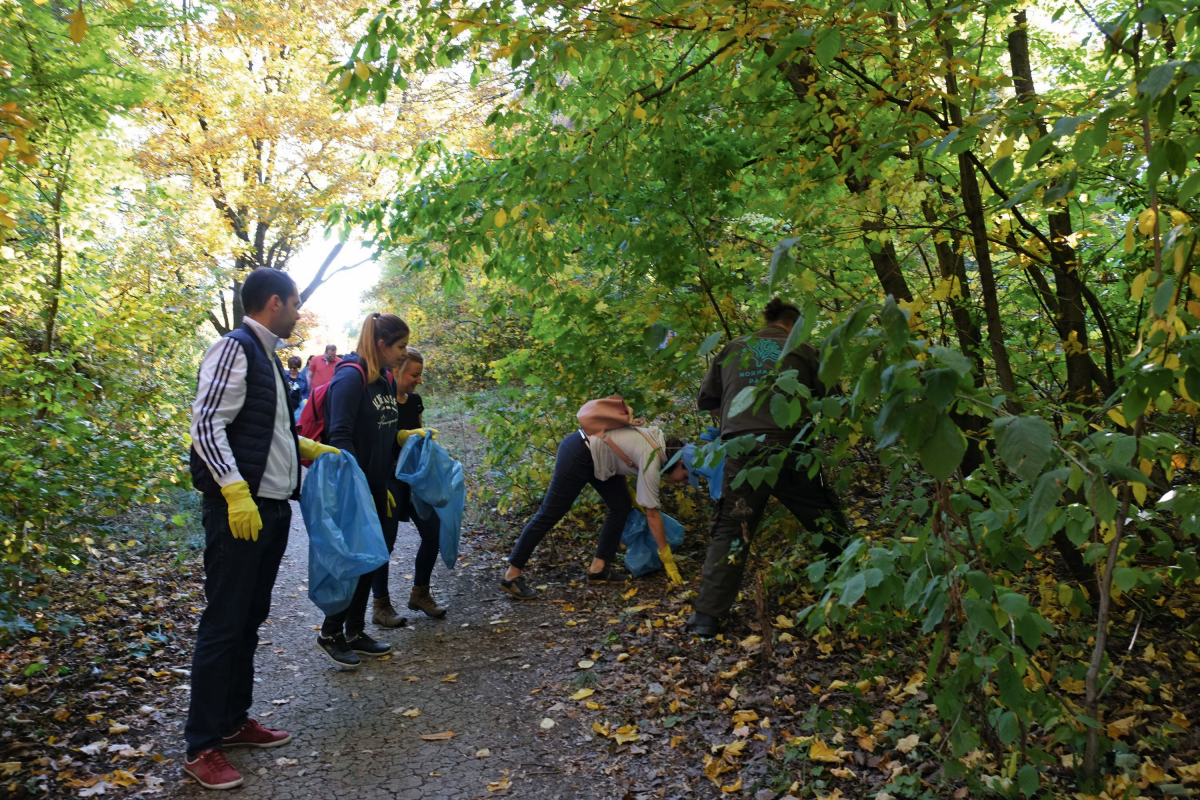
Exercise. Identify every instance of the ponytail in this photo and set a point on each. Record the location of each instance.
(376, 326)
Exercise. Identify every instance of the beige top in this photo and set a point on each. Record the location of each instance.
(647, 460)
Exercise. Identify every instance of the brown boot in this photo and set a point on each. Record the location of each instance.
(385, 615)
(422, 600)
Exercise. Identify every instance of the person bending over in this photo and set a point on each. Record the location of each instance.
(586, 459)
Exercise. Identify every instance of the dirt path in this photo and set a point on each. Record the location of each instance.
(350, 731)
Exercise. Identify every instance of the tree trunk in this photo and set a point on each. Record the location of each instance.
(973, 207)
(1063, 262)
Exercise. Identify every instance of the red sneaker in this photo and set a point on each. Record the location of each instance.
(212, 770)
(252, 734)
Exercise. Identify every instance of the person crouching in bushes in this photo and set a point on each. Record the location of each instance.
(411, 408)
(582, 460)
(360, 418)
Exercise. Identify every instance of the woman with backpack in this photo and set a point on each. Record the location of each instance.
(411, 409)
(361, 417)
(604, 460)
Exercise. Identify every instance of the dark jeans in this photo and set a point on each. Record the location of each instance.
(238, 578)
(573, 469)
(353, 618)
(430, 529)
(739, 511)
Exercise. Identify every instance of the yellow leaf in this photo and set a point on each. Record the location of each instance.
(630, 594)
(344, 80)
(123, 778)
(1117, 417)
(79, 26)
(1072, 685)
(733, 750)
(1145, 222)
(907, 744)
(1146, 466)
(1129, 242)
(16, 689)
(1005, 148)
(586, 664)
(438, 737)
(451, 678)
(600, 729)
(1121, 727)
(1151, 772)
(583, 694)
(736, 786)
(362, 71)
(843, 773)
(117, 727)
(819, 751)
(590, 706)
(639, 112)
(501, 218)
(412, 712)
(783, 622)
(1189, 774)
(1139, 493)
(740, 717)
(625, 734)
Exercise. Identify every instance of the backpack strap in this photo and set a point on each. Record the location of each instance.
(629, 462)
(357, 366)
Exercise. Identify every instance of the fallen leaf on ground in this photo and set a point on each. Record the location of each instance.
(583, 693)
(1121, 727)
(736, 786)
(450, 678)
(819, 751)
(483, 753)
(117, 727)
(547, 723)
(438, 737)
(586, 664)
(907, 744)
(412, 712)
(500, 785)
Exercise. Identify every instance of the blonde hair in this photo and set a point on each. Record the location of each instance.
(376, 326)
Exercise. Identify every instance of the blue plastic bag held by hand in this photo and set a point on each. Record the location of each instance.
(713, 473)
(641, 551)
(438, 486)
(345, 539)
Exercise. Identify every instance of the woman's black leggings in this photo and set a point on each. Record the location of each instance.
(430, 529)
(354, 618)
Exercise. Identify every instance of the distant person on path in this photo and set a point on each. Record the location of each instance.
(582, 460)
(297, 386)
(360, 418)
(744, 362)
(321, 368)
(245, 460)
(411, 408)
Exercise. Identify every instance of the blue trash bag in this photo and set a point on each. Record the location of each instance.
(713, 473)
(345, 539)
(641, 551)
(438, 486)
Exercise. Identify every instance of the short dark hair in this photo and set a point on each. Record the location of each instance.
(334, 346)
(264, 283)
(779, 311)
(294, 360)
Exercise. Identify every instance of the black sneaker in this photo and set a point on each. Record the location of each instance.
(366, 646)
(610, 574)
(518, 588)
(337, 650)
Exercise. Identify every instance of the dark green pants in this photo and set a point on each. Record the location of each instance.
(738, 514)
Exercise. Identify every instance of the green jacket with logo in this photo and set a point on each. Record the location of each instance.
(744, 362)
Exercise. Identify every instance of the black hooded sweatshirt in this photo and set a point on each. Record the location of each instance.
(363, 421)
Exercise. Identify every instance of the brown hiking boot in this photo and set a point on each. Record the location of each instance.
(422, 600)
(385, 616)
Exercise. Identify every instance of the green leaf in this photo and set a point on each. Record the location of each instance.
(1024, 444)
(1189, 187)
(742, 401)
(782, 260)
(1046, 493)
(829, 44)
(1029, 780)
(853, 590)
(1159, 78)
(1126, 577)
(895, 324)
(1014, 604)
(943, 451)
(1008, 729)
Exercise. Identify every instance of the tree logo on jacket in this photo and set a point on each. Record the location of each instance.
(765, 352)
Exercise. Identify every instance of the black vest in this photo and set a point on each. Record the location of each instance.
(253, 429)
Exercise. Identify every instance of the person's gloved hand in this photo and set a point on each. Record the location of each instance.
(402, 436)
(310, 449)
(391, 503)
(668, 560)
(244, 519)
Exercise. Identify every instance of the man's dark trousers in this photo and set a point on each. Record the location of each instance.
(238, 578)
(739, 512)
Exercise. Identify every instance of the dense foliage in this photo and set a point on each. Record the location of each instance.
(987, 214)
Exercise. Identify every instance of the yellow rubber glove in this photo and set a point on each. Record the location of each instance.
(310, 449)
(402, 436)
(244, 519)
(668, 560)
(391, 503)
